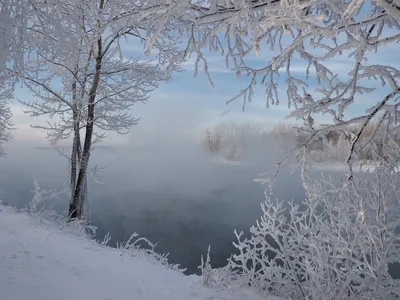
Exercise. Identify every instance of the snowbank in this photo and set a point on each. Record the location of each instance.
(39, 261)
(342, 167)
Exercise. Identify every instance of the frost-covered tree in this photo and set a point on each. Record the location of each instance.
(25, 25)
(231, 140)
(91, 88)
(5, 124)
(9, 41)
(14, 18)
(310, 34)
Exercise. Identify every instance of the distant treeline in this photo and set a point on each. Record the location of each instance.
(230, 140)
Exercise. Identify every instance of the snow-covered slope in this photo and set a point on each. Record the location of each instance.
(38, 261)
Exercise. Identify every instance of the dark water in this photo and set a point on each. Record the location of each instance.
(184, 203)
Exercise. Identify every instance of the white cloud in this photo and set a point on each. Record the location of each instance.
(216, 64)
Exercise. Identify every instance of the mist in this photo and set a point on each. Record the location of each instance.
(158, 181)
(169, 190)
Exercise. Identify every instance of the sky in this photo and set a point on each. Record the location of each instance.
(184, 106)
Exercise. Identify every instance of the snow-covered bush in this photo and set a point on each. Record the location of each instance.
(39, 197)
(140, 245)
(216, 277)
(212, 139)
(337, 244)
(334, 152)
(285, 135)
(37, 207)
(336, 145)
(207, 270)
(231, 140)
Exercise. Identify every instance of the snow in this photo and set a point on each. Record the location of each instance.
(342, 167)
(40, 261)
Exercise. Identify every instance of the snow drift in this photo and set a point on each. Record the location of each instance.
(39, 261)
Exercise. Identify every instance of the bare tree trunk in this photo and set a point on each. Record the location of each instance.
(79, 157)
(73, 158)
(77, 204)
(84, 197)
(76, 208)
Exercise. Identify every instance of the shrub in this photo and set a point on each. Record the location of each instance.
(336, 245)
(230, 140)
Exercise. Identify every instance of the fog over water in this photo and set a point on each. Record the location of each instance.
(175, 194)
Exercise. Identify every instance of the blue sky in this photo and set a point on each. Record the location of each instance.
(182, 107)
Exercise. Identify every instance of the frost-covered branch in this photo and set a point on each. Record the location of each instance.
(5, 124)
(339, 243)
(306, 39)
